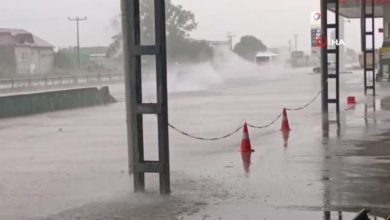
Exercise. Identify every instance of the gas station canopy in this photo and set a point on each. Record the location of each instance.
(352, 8)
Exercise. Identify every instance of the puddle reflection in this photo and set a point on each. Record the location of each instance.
(246, 161)
(369, 110)
(286, 136)
(385, 103)
(328, 124)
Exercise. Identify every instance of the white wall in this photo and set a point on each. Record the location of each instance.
(34, 60)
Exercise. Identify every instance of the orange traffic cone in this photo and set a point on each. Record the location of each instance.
(246, 143)
(285, 124)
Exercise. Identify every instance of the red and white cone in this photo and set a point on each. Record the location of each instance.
(245, 142)
(285, 124)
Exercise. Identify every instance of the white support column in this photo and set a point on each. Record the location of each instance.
(342, 47)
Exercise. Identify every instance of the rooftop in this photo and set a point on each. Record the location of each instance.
(21, 37)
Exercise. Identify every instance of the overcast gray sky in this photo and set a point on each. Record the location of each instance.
(49, 19)
(275, 22)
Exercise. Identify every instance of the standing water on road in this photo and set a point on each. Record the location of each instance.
(246, 137)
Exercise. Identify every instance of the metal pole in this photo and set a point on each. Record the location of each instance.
(78, 43)
(327, 215)
(77, 20)
(135, 108)
(337, 19)
(131, 39)
(373, 48)
(340, 215)
(296, 41)
(127, 64)
(364, 42)
(162, 96)
(324, 63)
(230, 40)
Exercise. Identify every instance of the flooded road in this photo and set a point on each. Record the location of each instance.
(73, 164)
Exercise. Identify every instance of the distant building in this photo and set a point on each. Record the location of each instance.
(95, 55)
(215, 43)
(98, 59)
(22, 53)
(225, 44)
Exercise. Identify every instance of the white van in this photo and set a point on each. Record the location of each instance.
(265, 58)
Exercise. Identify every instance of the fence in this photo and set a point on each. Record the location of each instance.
(56, 81)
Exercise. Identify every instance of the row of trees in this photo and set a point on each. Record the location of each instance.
(180, 47)
(179, 23)
(66, 59)
(248, 47)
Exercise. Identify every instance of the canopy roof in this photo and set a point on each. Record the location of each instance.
(351, 8)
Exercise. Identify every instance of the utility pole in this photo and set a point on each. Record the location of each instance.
(77, 20)
(296, 41)
(230, 40)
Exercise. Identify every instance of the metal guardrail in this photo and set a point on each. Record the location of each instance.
(61, 80)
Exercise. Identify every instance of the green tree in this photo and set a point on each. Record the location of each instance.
(248, 47)
(64, 60)
(115, 46)
(179, 24)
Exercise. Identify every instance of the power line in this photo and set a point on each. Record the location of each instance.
(296, 41)
(77, 20)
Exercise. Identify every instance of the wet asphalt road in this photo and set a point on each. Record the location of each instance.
(73, 164)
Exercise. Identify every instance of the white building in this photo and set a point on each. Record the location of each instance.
(22, 53)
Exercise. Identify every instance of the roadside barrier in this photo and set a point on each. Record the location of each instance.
(308, 104)
(42, 81)
(241, 125)
(267, 125)
(246, 146)
(22, 104)
(285, 124)
(203, 138)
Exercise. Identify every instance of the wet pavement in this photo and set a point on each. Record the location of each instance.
(73, 164)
